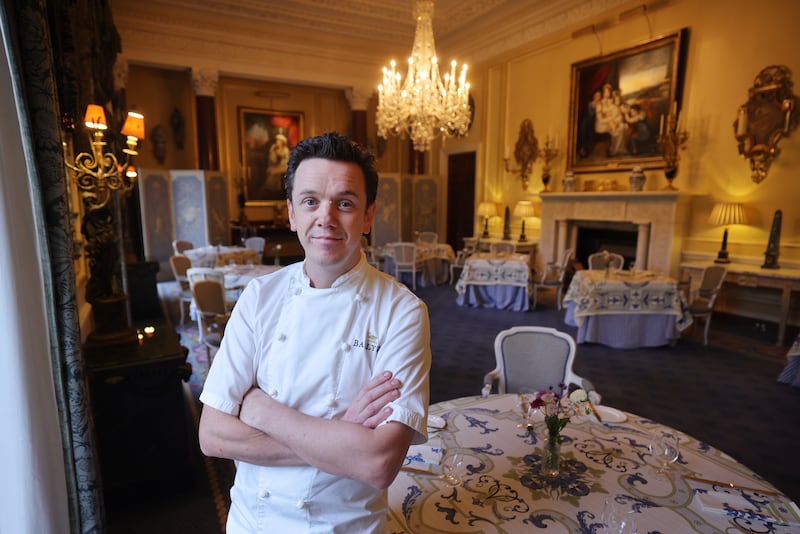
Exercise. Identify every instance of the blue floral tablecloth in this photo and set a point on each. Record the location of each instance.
(791, 373)
(502, 490)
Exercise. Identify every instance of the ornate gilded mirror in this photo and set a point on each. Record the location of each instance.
(765, 118)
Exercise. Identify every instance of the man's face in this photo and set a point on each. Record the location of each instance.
(329, 212)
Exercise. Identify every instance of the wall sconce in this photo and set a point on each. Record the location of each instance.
(765, 118)
(526, 150)
(523, 209)
(549, 152)
(726, 214)
(98, 175)
(486, 210)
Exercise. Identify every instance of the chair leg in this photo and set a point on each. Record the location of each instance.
(535, 291)
(558, 297)
(705, 332)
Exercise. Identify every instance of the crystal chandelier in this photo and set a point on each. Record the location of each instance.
(425, 105)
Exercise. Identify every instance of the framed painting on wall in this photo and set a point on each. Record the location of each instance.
(266, 138)
(616, 104)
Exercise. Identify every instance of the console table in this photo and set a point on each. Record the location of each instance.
(787, 280)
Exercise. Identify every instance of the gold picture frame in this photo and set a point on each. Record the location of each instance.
(266, 138)
(617, 101)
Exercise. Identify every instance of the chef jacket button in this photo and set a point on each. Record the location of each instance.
(332, 403)
(345, 346)
(282, 337)
(297, 291)
(263, 494)
(273, 393)
(301, 504)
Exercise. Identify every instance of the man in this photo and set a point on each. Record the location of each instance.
(311, 356)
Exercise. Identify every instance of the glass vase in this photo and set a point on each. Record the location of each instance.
(551, 455)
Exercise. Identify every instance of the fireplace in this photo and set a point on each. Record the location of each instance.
(594, 236)
(646, 227)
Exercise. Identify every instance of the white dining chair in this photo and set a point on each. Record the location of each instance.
(605, 259)
(179, 265)
(430, 238)
(553, 277)
(458, 264)
(405, 261)
(502, 249)
(212, 313)
(705, 296)
(256, 243)
(533, 357)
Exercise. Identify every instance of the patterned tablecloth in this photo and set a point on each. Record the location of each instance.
(791, 373)
(238, 276)
(495, 281)
(502, 490)
(212, 256)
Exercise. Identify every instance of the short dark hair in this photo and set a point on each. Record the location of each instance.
(334, 147)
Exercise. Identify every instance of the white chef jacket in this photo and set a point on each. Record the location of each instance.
(312, 350)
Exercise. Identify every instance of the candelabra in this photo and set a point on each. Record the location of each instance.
(526, 150)
(548, 153)
(671, 140)
(98, 176)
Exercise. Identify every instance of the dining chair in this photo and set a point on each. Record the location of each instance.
(605, 259)
(256, 243)
(458, 264)
(179, 245)
(374, 256)
(196, 274)
(179, 266)
(502, 249)
(428, 237)
(553, 277)
(533, 357)
(405, 261)
(704, 298)
(212, 313)
(470, 245)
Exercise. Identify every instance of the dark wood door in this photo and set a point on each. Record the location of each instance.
(460, 198)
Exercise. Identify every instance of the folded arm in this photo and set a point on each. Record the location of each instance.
(226, 436)
(331, 445)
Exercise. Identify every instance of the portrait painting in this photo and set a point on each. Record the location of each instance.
(267, 137)
(617, 104)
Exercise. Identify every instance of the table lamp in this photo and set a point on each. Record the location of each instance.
(523, 209)
(486, 210)
(726, 214)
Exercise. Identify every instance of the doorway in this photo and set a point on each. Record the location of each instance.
(460, 198)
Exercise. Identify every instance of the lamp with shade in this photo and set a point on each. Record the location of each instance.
(487, 209)
(726, 214)
(524, 209)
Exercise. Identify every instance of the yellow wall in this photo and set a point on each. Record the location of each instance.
(729, 43)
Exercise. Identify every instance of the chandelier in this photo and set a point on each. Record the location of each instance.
(425, 105)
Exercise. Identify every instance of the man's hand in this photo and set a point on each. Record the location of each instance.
(369, 407)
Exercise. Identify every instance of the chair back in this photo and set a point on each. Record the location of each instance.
(605, 259)
(255, 243)
(470, 245)
(179, 245)
(209, 297)
(534, 357)
(502, 249)
(196, 274)
(710, 284)
(179, 265)
(428, 237)
(405, 254)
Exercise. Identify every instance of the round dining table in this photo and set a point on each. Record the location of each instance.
(605, 458)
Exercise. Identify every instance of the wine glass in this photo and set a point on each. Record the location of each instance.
(453, 468)
(526, 396)
(618, 518)
(665, 448)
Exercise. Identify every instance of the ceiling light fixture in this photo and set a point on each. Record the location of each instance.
(425, 105)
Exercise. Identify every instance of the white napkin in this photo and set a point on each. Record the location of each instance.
(735, 505)
(424, 458)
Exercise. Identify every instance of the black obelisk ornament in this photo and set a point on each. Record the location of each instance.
(773, 247)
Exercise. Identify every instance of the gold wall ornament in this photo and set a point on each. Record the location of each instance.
(765, 119)
(526, 150)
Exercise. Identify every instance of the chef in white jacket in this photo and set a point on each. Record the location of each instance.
(321, 382)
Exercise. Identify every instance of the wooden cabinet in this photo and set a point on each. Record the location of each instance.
(143, 430)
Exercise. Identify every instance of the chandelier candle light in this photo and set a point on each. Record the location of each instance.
(425, 105)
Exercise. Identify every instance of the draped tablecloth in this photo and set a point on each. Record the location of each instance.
(502, 490)
(495, 282)
(435, 258)
(622, 309)
(212, 256)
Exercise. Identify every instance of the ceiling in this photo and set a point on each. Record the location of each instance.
(333, 42)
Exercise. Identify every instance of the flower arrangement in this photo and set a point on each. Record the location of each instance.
(558, 408)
